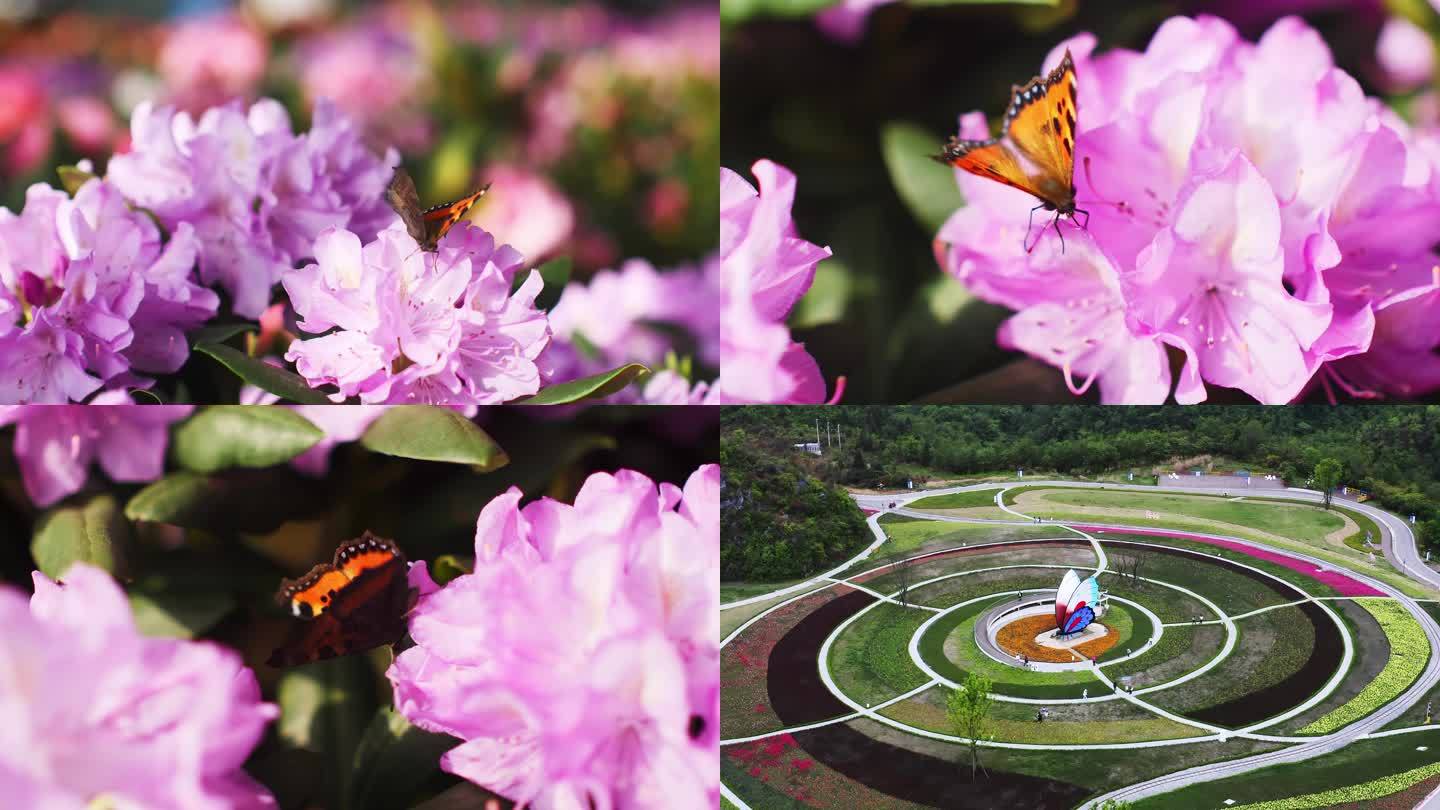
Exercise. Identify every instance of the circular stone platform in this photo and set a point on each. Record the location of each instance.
(1033, 635)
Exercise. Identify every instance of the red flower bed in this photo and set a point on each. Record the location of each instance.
(745, 662)
(1344, 585)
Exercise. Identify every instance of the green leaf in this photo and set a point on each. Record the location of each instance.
(221, 332)
(234, 501)
(93, 532)
(555, 273)
(733, 11)
(73, 177)
(392, 761)
(827, 299)
(284, 384)
(431, 433)
(179, 615)
(927, 188)
(223, 436)
(593, 387)
(984, 2)
(325, 707)
(447, 567)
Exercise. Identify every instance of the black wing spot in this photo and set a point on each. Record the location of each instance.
(1070, 120)
(1069, 149)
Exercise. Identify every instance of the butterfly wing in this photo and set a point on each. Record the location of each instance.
(992, 159)
(405, 200)
(1040, 122)
(1035, 152)
(440, 219)
(357, 602)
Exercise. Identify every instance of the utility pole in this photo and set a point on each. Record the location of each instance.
(839, 442)
(827, 432)
(817, 434)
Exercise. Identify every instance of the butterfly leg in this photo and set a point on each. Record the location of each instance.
(1058, 232)
(1028, 224)
(1086, 226)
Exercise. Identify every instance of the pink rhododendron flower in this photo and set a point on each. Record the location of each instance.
(1249, 210)
(111, 718)
(373, 71)
(765, 267)
(439, 328)
(1406, 54)
(211, 60)
(56, 444)
(531, 215)
(845, 21)
(580, 661)
(89, 296)
(256, 194)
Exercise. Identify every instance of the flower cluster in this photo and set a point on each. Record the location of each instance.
(579, 663)
(622, 316)
(765, 268)
(110, 718)
(1250, 210)
(55, 445)
(255, 194)
(398, 324)
(89, 296)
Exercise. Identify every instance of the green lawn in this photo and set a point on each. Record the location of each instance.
(1112, 721)
(735, 591)
(1272, 646)
(911, 535)
(1298, 521)
(1167, 603)
(1356, 763)
(1288, 526)
(870, 660)
(957, 500)
(1181, 650)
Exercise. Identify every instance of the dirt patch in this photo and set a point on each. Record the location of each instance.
(929, 780)
(797, 694)
(1018, 638)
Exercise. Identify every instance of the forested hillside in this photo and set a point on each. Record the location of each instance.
(778, 520)
(1393, 451)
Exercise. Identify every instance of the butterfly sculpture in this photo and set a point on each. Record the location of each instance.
(427, 227)
(355, 602)
(1036, 148)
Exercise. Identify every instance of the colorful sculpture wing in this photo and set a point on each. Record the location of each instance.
(1068, 584)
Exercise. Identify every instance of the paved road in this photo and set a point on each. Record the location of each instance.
(1399, 546)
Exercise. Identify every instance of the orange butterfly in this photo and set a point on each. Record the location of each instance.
(355, 602)
(1036, 148)
(427, 227)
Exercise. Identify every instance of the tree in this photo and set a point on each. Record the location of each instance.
(901, 565)
(969, 711)
(1327, 477)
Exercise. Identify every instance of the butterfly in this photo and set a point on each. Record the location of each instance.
(356, 602)
(1036, 148)
(427, 227)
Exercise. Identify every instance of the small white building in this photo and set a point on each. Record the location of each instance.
(813, 448)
